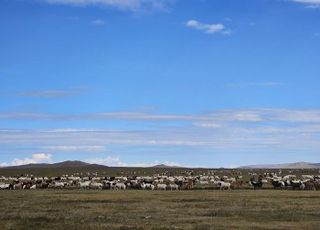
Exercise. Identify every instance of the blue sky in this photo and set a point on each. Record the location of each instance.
(137, 82)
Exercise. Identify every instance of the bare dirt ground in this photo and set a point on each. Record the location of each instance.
(200, 209)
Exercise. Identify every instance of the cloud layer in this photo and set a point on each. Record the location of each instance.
(225, 130)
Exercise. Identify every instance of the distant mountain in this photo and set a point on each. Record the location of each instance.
(297, 165)
(80, 164)
(64, 164)
(70, 164)
(164, 166)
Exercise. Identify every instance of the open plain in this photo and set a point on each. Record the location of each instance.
(132, 209)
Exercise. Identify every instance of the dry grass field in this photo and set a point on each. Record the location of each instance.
(200, 209)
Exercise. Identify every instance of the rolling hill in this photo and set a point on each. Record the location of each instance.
(64, 164)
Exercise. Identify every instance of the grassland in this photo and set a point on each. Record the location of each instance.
(200, 209)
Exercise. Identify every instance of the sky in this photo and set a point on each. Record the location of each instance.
(197, 83)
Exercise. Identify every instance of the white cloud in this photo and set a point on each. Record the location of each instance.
(109, 161)
(98, 22)
(207, 125)
(41, 157)
(3, 164)
(133, 5)
(35, 158)
(247, 116)
(294, 116)
(231, 166)
(207, 28)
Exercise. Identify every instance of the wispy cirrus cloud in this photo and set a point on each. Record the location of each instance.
(229, 137)
(236, 130)
(249, 116)
(231, 115)
(132, 5)
(309, 3)
(98, 22)
(208, 28)
(33, 116)
(75, 148)
(210, 125)
(46, 93)
(54, 93)
(255, 84)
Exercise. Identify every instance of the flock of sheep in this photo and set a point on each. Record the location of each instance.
(163, 182)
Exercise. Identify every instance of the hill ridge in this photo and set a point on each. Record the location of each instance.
(62, 164)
